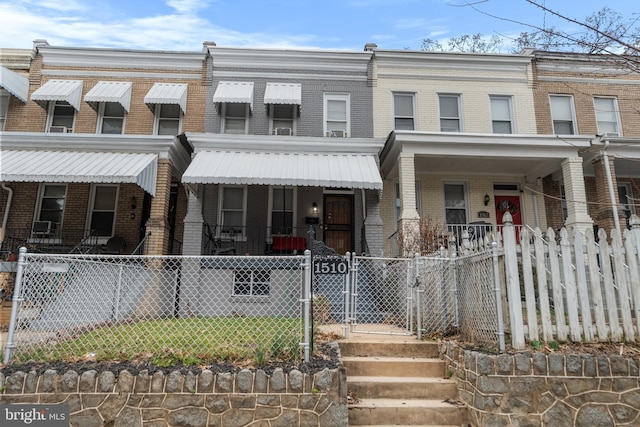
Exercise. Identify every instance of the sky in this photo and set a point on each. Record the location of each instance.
(183, 25)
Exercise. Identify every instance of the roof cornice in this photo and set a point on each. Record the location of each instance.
(212, 141)
(317, 60)
(121, 58)
(423, 59)
(164, 146)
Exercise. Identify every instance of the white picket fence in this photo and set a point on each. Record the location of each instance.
(570, 287)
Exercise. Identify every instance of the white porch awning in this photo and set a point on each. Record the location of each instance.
(283, 93)
(15, 84)
(167, 93)
(73, 166)
(309, 169)
(119, 92)
(234, 92)
(59, 90)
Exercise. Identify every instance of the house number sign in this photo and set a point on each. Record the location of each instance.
(330, 266)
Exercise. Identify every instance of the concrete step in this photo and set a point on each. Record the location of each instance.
(406, 412)
(404, 348)
(401, 388)
(394, 366)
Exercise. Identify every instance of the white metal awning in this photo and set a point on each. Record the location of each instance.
(284, 168)
(119, 92)
(15, 84)
(74, 166)
(59, 90)
(234, 92)
(283, 93)
(167, 93)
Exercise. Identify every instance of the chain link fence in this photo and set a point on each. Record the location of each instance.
(167, 309)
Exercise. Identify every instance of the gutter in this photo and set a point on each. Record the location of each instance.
(7, 208)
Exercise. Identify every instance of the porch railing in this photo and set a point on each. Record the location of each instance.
(254, 240)
(63, 241)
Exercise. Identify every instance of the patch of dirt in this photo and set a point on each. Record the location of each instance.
(325, 355)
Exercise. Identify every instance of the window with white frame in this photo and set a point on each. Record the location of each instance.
(50, 210)
(450, 113)
(61, 117)
(404, 111)
(283, 206)
(4, 106)
(233, 210)
(455, 203)
(607, 116)
(337, 114)
(102, 209)
(168, 117)
(283, 118)
(235, 118)
(501, 121)
(251, 283)
(562, 114)
(111, 118)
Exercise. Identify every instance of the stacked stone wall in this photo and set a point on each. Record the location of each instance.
(538, 389)
(176, 399)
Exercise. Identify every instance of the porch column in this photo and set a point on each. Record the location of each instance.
(604, 210)
(408, 224)
(193, 223)
(158, 224)
(575, 193)
(373, 223)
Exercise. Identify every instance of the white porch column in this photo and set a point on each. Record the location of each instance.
(576, 195)
(193, 223)
(408, 224)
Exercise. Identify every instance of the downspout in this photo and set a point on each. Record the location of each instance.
(612, 193)
(7, 208)
(534, 199)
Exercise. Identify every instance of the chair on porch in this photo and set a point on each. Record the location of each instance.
(115, 245)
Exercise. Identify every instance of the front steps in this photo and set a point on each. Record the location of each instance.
(399, 381)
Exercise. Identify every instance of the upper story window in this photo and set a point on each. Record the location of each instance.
(403, 111)
(4, 106)
(61, 117)
(562, 114)
(111, 118)
(283, 119)
(102, 209)
(607, 116)
(501, 121)
(450, 113)
(337, 114)
(168, 119)
(50, 210)
(235, 118)
(283, 101)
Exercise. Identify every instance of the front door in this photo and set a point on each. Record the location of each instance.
(338, 222)
(512, 205)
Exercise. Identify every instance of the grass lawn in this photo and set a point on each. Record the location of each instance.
(189, 341)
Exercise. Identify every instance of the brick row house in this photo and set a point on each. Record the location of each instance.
(244, 151)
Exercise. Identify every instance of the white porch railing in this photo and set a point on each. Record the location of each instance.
(571, 287)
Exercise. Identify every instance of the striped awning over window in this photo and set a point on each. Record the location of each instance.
(234, 92)
(59, 90)
(283, 93)
(15, 84)
(74, 166)
(167, 93)
(119, 92)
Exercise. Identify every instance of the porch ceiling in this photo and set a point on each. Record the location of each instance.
(347, 170)
(73, 166)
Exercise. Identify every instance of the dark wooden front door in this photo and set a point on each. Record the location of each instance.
(338, 222)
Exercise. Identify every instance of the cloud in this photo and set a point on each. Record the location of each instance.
(187, 6)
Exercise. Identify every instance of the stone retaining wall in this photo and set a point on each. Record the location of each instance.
(204, 400)
(538, 389)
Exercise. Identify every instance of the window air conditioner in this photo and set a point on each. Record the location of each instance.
(59, 129)
(41, 228)
(611, 134)
(283, 131)
(337, 133)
